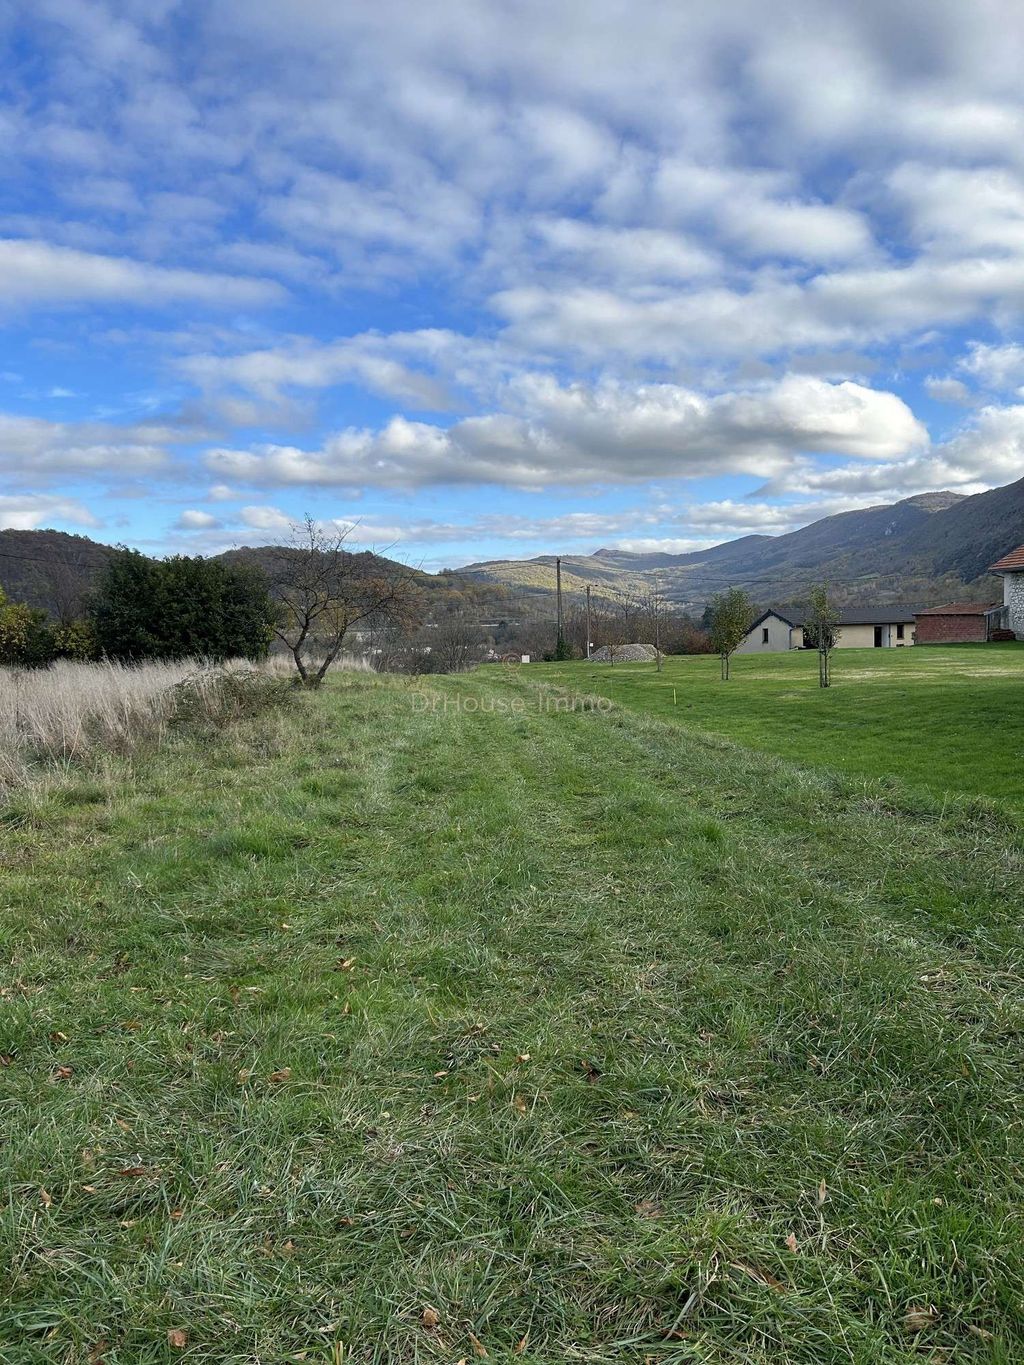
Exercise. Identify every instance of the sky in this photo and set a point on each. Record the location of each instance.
(489, 279)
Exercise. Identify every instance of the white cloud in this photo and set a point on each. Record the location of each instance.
(195, 520)
(31, 447)
(986, 451)
(996, 367)
(574, 434)
(946, 389)
(33, 272)
(31, 510)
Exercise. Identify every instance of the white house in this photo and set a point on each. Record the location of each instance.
(858, 628)
(1011, 567)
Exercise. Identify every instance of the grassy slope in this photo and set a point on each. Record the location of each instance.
(735, 980)
(947, 719)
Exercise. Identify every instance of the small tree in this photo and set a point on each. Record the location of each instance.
(324, 590)
(821, 630)
(729, 616)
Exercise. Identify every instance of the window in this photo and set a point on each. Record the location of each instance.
(899, 631)
(764, 635)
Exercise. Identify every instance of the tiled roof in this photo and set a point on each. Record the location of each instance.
(962, 609)
(850, 616)
(1014, 560)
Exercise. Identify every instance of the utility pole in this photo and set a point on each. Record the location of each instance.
(588, 620)
(657, 617)
(560, 645)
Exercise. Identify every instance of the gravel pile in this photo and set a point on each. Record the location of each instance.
(625, 654)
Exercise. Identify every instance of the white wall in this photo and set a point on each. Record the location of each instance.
(778, 638)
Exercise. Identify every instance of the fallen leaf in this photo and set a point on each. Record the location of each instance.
(45, 1198)
(430, 1317)
(6, 1059)
(123, 1125)
(132, 1171)
(919, 1319)
(519, 1347)
(346, 1008)
(791, 1241)
(980, 1333)
(243, 1075)
(479, 1349)
(177, 1215)
(438, 1075)
(345, 964)
(57, 1037)
(285, 1074)
(520, 1104)
(63, 1073)
(177, 1338)
(759, 1275)
(647, 1208)
(88, 1189)
(592, 1071)
(822, 1194)
(522, 1057)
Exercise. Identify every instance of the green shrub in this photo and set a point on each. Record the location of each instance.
(212, 699)
(26, 636)
(182, 608)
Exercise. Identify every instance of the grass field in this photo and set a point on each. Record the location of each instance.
(950, 719)
(376, 1031)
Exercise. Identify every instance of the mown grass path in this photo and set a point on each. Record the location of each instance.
(603, 1040)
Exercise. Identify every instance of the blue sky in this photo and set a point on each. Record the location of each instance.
(488, 279)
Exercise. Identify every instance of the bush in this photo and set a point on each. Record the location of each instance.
(211, 699)
(182, 608)
(26, 636)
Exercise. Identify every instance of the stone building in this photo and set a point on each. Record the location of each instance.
(1011, 567)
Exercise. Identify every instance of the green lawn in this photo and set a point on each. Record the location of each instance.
(376, 1033)
(950, 719)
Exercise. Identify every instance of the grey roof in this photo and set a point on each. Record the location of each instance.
(849, 616)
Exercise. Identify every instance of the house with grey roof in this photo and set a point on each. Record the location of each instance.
(782, 628)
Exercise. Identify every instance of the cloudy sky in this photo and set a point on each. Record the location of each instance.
(503, 277)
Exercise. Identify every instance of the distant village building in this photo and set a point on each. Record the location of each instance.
(858, 628)
(1011, 567)
(960, 623)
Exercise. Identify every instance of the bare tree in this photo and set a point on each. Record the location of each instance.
(652, 609)
(613, 622)
(821, 630)
(731, 614)
(457, 643)
(324, 590)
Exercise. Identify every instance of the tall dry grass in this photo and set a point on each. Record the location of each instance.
(50, 718)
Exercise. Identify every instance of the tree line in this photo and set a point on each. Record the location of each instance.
(306, 595)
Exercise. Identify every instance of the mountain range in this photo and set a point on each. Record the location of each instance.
(929, 548)
(932, 547)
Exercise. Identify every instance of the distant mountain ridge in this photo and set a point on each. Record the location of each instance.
(932, 545)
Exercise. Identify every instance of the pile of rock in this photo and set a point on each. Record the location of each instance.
(625, 654)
